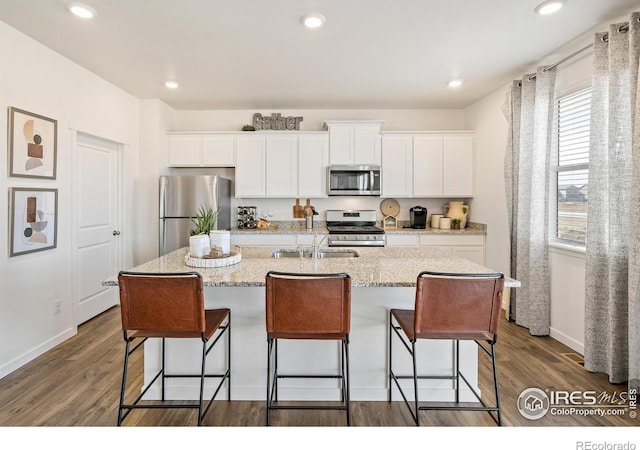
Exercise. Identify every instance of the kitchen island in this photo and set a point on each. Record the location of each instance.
(382, 278)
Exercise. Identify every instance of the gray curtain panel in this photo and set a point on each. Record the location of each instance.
(611, 297)
(529, 111)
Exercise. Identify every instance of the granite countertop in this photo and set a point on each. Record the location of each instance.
(298, 227)
(374, 267)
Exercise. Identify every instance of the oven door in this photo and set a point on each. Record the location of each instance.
(353, 180)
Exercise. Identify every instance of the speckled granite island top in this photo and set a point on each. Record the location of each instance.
(374, 267)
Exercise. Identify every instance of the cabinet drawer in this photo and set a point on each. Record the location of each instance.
(402, 240)
(440, 239)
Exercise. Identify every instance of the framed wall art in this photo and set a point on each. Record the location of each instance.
(33, 215)
(33, 144)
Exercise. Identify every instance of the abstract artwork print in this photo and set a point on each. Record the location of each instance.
(32, 145)
(34, 217)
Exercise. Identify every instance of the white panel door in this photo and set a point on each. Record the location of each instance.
(97, 226)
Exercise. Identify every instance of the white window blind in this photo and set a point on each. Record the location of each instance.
(570, 163)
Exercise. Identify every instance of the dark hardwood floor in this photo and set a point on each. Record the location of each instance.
(78, 382)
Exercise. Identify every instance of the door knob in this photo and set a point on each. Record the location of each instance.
(116, 233)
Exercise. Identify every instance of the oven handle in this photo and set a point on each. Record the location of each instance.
(356, 243)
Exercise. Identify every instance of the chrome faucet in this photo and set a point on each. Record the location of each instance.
(315, 249)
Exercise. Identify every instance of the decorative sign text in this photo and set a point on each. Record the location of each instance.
(276, 122)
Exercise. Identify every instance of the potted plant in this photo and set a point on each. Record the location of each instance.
(455, 224)
(205, 220)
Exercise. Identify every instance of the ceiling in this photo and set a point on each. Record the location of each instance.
(253, 54)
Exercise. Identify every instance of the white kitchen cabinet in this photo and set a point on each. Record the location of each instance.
(471, 247)
(201, 150)
(282, 166)
(457, 167)
(354, 142)
(397, 166)
(313, 159)
(251, 166)
(427, 165)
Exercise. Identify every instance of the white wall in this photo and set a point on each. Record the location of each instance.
(489, 201)
(36, 79)
(394, 119)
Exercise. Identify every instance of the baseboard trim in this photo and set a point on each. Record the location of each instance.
(32, 354)
(566, 340)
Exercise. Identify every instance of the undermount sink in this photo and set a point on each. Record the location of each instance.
(329, 253)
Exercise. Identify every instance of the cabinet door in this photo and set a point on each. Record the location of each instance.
(397, 171)
(427, 166)
(250, 166)
(218, 151)
(341, 144)
(366, 144)
(458, 166)
(313, 158)
(402, 240)
(185, 150)
(282, 166)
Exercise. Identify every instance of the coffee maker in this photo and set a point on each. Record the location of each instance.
(418, 217)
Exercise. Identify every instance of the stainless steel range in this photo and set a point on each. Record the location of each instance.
(354, 228)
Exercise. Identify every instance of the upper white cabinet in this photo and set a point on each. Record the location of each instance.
(354, 142)
(281, 165)
(313, 159)
(251, 166)
(427, 164)
(201, 150)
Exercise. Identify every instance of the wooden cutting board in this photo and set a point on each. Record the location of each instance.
(297, 210)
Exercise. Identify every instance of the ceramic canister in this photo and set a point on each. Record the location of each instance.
(435, 220)
(199, 245)
(445, 223)
(222, 239)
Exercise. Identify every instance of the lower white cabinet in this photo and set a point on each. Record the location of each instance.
(284, 240)
(471, 247)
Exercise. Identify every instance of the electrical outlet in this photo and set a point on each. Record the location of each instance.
(57, 307)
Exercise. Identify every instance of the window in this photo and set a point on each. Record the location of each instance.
(570, 165)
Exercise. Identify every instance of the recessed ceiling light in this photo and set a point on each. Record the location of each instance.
(171, 84)
(313, 20)
(455, 83)
(81, 10)
(549, 6)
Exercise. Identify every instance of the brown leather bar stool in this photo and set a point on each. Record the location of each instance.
(170, 305)
(307, 306)
(456, 307)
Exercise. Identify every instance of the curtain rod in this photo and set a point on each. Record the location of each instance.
(622, 29)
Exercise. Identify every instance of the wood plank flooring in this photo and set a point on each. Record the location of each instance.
(78, 382)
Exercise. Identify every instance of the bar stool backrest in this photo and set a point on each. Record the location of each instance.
(308, 306)
(162, 302)
(462, 305)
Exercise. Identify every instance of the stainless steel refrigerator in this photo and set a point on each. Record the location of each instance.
(181, 197)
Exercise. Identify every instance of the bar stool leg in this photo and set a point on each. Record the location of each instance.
(415, 381)
(457, 371)
(163, 361)
(348, 376)
(495, 383)
(124, 380)
(202, 371)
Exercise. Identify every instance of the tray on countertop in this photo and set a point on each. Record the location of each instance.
(234, 257)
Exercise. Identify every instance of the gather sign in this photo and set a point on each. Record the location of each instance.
(276, 122)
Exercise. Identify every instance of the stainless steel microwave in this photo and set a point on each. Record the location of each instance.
(353, 180)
